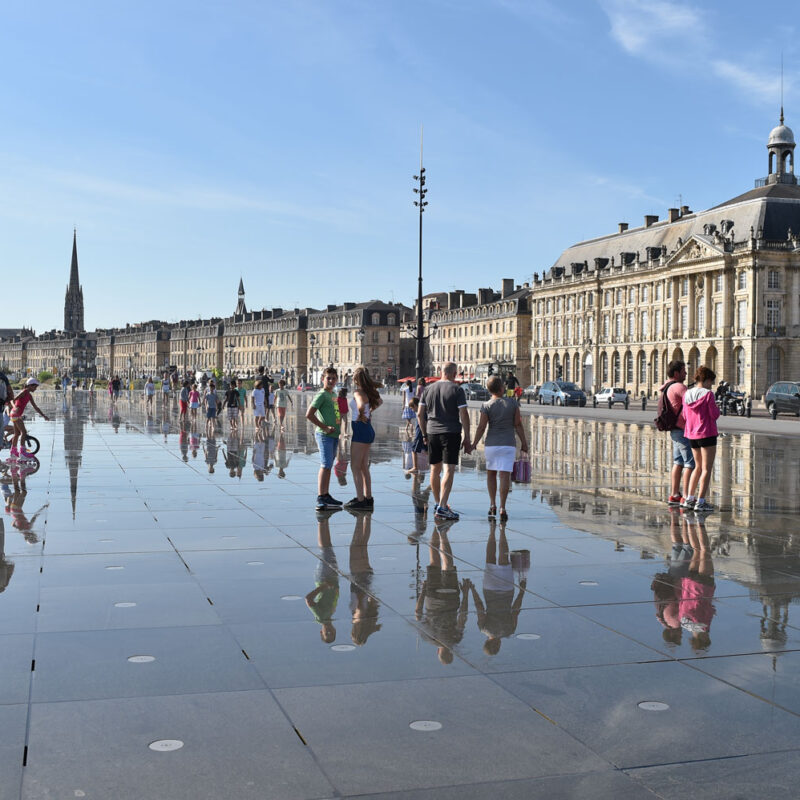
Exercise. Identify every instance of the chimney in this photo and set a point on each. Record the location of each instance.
(685, 210)
(484, 296)
(508, 286)
(277, 312)
(673, 214)
(650, 219)
(623, 226)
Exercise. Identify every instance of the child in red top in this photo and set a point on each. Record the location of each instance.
(344, 409)
(18, 452)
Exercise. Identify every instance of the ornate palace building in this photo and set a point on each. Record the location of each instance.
(483, 330)
(719, 287)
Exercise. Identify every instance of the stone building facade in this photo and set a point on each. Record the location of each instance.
(14, 353)
(196, 345)
(719, 287)
(62, 353)
(355, 334)
(141, 349)
(485, 331)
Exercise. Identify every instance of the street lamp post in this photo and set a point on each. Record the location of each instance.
(420, 204)
(229, 350)
(414, 331)
(312, 339)
(268, 365)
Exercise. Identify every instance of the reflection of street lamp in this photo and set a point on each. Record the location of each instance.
(198, 350)
(269, 355)
(312, 339)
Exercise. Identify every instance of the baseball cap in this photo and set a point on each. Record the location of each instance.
(31, 382)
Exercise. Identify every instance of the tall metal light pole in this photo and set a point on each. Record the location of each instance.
(420, 204)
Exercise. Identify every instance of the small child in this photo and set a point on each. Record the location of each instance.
(417, 443)
(344, 410)
(194, 400)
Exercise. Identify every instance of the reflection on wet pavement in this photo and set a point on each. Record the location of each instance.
(159, 583)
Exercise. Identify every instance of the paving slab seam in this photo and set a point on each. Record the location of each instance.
(629, 768)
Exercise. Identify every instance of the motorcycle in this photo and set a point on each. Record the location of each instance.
(730, 402)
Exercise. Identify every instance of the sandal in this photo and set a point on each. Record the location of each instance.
(492, 512)
(503, 516)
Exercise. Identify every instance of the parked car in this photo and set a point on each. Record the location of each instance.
(783, 398)
(474, 391)
(610, 396)
(531, 392)
(561, 393)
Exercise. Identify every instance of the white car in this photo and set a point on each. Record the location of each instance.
(610, 396)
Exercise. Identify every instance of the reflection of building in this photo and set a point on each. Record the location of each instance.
(490, 330)
(718, 287)
(74, 422)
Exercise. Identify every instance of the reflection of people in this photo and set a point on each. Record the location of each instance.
(210, 448)
(363, 605)
(498, 618)
(442, 605)
(501, 415)
(666, 586)
(6, 567)
(15, 503)
(340, 467)
(281, 456)
(696, 606)
(323, 598)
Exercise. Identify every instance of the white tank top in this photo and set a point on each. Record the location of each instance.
(354, 410)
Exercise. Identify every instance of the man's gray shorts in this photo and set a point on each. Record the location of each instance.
(681, 452)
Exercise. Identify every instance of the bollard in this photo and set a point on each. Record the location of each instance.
(724, 409)
(644, 403)
(594, 402)
(749, 408)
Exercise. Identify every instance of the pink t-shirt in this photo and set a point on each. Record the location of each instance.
(675, 395)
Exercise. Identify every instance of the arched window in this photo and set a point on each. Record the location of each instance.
(546, 375)
(701, 316)
(629, 368)
(576, 370)
(615, 369)
(376, 319)
(604, 369)
(567, 368)
(556, 367)
(390, 320)
(537, 378)
(642, 368)
(773, 365)
(738, 360)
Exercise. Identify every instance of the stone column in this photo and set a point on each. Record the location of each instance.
(794, 298)
(691, 303)
(675, 321)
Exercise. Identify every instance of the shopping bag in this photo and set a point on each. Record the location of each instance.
(522, 471)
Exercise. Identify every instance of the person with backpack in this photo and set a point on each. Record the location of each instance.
(6, 396)
(670, 418)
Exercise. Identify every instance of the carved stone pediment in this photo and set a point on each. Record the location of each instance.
(697, 248)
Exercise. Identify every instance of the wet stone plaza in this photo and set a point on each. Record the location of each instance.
(177, 621)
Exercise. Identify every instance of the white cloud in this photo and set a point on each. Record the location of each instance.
(677, 35)
(639, 25)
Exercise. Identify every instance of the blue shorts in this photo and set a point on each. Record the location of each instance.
(211, 413)
(363, 432)
(327, 449)
(681, 452)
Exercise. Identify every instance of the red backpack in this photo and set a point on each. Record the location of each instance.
(666, 419)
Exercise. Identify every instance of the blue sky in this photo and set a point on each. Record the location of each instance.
(191, 143)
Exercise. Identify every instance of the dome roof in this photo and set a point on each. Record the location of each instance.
(781, 135)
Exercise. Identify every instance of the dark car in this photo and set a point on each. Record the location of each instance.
(561, 393)
(474, 391)
(783, 398)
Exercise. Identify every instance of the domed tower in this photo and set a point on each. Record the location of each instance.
(780, 147)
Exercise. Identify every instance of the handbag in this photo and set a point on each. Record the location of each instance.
(422, 460)
(521, 472)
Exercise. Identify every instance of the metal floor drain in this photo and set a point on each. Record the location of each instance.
(124, 605)
(342, 648)
(528, 636)
(166, 745)
(291, 597)
(653, 705)
(255, 563)
(105, 540)
(115, 566)
(425, 725)
(588, 583)
(141, 659)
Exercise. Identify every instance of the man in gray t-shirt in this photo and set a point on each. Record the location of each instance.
(442, 416)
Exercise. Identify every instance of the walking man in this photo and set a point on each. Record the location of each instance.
(442, 417)
(324, 414)
(682, 458)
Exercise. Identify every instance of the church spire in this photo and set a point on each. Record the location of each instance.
(73, 301)
(241, 308)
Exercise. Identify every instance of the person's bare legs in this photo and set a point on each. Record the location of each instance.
(323, 481)
(505, 485)
(436, 482)
(446, 484)
(491, 486)
(697, 472)
(359, 456)
(709, 454)
(675, 479)
(687, 477)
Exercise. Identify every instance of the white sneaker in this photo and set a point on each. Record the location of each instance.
(702, 506)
